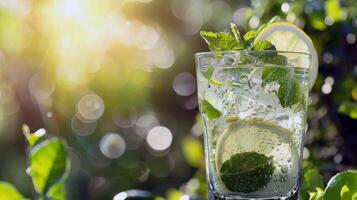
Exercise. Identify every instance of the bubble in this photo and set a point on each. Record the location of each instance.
(90, 107)
(112, 145)
(284, 169)
(159, 138)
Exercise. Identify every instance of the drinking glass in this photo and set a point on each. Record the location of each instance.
(253, 105)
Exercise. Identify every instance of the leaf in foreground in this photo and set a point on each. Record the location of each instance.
(193, 151)
(318, 194)
(311, 180)
(247, 172)
(9, 192)
(49, 164)
(57, 192)
(34, 138)
(336, 184)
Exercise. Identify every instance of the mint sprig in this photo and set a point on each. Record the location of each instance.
(290, 91)
(221, 41)
(247, 172)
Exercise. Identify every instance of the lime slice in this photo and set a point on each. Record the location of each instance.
(248, 135)
(288, 37)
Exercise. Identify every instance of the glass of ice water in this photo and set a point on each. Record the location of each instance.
(253, 105)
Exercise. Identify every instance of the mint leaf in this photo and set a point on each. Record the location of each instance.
(289, 92)
(271, 74)
(263, 45)
(208, 73)
(249, 37)
(211, 112)
(221, 41)
(247, 172)
(236, 33)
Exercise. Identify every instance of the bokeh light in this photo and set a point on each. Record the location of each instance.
(184, 84)
(159, 138)
(90, 107)
(112, 145)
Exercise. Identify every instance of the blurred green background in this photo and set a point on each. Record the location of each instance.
(116, 79)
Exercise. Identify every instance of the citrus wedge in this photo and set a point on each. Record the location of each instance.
(288, 37)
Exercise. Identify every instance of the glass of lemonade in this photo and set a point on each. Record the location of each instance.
(254, 114)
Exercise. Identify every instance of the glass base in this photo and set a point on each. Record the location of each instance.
(212, 196)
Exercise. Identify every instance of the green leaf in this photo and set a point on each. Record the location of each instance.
(333, 9)
(250, 36)
(221, 41)
(208, 73)
(49, 164)
(211, 112)
(318, 194)
(33, 138)
(247, 172)
(9, 192)
(193, 151)
(317, 20)
(215, 82)
(348, 108)
(271, 74)
(57, 192)
(289, 92)
(264, 45)
(236, 33)
(311, 180)
(336, 184)
(173, 194)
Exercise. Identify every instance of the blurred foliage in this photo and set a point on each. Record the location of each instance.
(88, 69)
(48, 168)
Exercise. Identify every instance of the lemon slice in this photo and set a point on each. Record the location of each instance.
(288, 37)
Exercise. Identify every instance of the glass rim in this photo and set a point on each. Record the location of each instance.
(210, 53)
